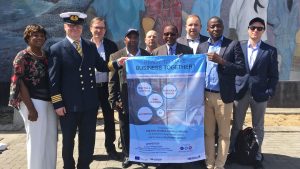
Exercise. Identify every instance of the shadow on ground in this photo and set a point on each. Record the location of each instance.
(271, 161)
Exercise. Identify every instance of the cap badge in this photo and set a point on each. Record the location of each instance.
(74, 18)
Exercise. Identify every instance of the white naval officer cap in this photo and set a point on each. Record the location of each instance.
(73, 17)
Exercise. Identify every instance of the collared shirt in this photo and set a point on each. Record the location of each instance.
(148, 49)
(137, 54)
(212, 78)
(173, 47)
(101, 76)
(72, 41)
(193, 43)
(252, 53)
(130, 55)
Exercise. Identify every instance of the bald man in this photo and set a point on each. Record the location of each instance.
(151, 40)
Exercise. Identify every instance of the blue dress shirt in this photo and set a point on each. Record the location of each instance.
(212, 78)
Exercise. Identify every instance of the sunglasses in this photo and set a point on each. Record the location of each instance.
(258, 28)
(171, 34)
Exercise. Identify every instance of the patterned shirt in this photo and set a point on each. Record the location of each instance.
(34, 73)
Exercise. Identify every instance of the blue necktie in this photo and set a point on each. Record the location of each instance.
(171, 50)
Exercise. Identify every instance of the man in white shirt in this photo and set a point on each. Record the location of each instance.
(256, 87)
(105, 48)
(193, 37)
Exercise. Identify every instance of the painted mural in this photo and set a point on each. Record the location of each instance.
(282, 16)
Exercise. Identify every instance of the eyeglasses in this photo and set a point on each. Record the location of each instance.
(258, 28)
(169, 33)
(98, 27)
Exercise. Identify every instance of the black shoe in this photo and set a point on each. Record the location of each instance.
(113, 155)
(258, 165)
(126, 163)
(161, 166)
(230, 159)
(119, 143)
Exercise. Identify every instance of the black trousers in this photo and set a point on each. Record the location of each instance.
(124, 132)
(85, 121)
(108, 114)
(124, 121)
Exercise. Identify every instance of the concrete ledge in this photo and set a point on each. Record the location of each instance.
(282, 128)
(6, 115)
(287, 95)
(288, 111)
(13, 120)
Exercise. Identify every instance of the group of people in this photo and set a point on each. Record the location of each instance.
(63, 79)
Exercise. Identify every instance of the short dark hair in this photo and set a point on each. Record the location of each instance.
(257, 19)
(32, 28)
(172, 26)
(217, 18)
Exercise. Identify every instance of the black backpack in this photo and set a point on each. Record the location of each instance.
(246, 147)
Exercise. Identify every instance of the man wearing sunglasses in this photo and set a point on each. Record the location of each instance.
(256, 87)
(171, 47)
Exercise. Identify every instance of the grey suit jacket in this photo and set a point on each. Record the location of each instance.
(117, 79)
(180, 49)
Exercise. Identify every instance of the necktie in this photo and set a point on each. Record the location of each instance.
(78, 47)
(171, 50)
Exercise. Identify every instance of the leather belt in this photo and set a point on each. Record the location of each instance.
(212, 91)
(101, 84)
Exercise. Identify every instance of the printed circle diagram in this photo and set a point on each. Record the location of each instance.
(155, 100)
(169, 91)
(160, 112)
(144, 89)
(144, 114)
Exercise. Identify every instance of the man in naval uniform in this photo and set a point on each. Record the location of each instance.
(72, 64)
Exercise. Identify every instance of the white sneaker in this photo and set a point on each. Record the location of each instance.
(3, 146)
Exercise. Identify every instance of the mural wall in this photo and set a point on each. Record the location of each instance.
(282, 16)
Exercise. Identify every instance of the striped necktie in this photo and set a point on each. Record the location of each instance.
(78, 47)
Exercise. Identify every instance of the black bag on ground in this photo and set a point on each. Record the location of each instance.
(246, 147)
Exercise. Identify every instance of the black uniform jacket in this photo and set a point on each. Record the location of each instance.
(72, 77)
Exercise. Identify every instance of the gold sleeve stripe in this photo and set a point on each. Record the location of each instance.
(56, 97)
(56, 100)
(110, 66)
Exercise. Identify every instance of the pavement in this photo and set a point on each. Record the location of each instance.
(281, 150)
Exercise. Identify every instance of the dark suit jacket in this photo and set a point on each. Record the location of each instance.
(180, 49)
(183, 40)
(72, 79)
(262, 79)
(231, 52)
(117, 79)
(110, 47)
